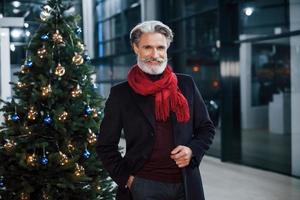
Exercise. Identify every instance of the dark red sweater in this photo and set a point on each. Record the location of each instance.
(160, 167)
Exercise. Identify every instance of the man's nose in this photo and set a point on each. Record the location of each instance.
(154, 53)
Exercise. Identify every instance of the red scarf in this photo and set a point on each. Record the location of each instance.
(167, 95)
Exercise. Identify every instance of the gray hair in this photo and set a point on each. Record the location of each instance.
(150, 27)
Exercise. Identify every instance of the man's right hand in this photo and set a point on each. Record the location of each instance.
(129, 182)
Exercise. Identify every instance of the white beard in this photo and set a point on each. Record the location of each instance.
(152, 69)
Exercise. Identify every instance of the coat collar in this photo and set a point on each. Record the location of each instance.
(146, 105)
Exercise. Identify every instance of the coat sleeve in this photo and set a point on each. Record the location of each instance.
(203, 128)
(107, 145)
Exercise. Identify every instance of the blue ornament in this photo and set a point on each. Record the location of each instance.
(44, 160)
(28, 63)
(2, 183)
(45, 37)
(78, 30)
(47, 120)
(88, 110)
(15, 117)
(86, 154)
(87, 58)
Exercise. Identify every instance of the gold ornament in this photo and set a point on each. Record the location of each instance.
(92, 137)
(79, 170)
(31, 160)
(71, 146)
(77, 59)
(63, 159)
(59, 70)
(27, 129)
(21, 85)
(57, 38)
(32, 113)
(80, 46)
(24, 196)
(42, 52)
(24, 69)
(9, 145)
(45, 196)
(76, 92)
(63, 116)
(98, 187)
(46, 90)
(95, 113)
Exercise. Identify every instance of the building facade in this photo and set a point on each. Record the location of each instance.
(242, 54)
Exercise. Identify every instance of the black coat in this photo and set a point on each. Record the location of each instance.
(134, 113)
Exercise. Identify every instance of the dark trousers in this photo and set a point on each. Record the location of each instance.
(145, 189)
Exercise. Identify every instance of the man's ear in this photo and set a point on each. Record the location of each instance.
(135, 48)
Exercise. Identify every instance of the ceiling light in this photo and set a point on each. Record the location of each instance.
(27, 33)
(16, 4)
(16, 33)
(12, 47)
(16, 11)
(248, 11)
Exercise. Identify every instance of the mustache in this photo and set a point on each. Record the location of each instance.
(160, 60)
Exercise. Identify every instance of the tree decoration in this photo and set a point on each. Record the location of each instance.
(15, 117)
(57, 37)
(45, 37)
(54, 81)
(79, 170)
(77, 91)
(48, 120)
(59, 70)
(88, 110)
(78, 30)
(63, 159)
(71, 146)
(9, 144)
(24, 69)
(42, 52)
(31, 160)
(80, 46)
(32, 114)
(87, 58)
(44, 160)
(77, 59)
(86, 154)
(92, 137)
(20, 85)
(46, 90)
(24, 196)
(62, 117)
(28, 63)
(2, 185)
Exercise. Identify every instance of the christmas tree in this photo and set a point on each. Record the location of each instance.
(47, 141)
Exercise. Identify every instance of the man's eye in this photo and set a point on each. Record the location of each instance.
(147, 47)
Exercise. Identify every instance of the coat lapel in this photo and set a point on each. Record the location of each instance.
(146, 105)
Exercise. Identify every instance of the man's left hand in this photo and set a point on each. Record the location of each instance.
(181, 155)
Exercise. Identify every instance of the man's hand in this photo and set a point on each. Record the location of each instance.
(129, 182)
(181, 155)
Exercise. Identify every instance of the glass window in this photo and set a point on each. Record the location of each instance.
(266, 104)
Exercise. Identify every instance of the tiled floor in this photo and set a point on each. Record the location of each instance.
(226, 181)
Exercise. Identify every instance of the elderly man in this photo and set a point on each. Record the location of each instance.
(165, 122)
